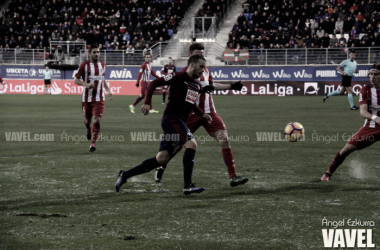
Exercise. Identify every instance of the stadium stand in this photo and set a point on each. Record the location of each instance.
(301, 24)
(115, 26)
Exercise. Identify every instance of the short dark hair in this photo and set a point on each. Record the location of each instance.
(375, 66)
(170, 58)
(195, 59)
(93, 46)
(352, 51)
(147, 54)
(195, 46)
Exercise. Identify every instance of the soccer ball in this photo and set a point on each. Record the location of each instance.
(294, 131)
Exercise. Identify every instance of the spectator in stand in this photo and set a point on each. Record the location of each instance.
(369, 8)
(333, 40)
(320, 32)
(338, 26)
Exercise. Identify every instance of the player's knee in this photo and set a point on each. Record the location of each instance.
(163, 157)
(348, 149)
(222, 137)
(191, 144)
(96, 119)
(142, 96)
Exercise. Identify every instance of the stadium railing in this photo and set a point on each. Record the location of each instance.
(299, 56)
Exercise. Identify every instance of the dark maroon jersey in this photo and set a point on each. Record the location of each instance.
(184, 91)
(168, 69)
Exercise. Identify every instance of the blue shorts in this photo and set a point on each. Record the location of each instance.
(175, 133)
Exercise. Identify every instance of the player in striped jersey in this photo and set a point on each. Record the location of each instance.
(217, 129)
(167, 69)
(143, 77)
(93, 102)
(369, 101)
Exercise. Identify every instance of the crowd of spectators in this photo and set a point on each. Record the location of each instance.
(213, 8)
(114, 25)
(274, 24)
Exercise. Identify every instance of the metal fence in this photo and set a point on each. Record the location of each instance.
(364, 55)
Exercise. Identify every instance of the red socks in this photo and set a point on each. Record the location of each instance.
(138, 99)
(228, 158)
(95, 133)
(338, 159)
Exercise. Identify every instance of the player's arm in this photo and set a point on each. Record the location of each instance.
(363, 101)
(174, 70)
(199, 113)
(142, 68)
(51, 75)
(151, 87)
(235, 86)
(110, 95)
(164, 71)
(78, 75)
(367, 115)
(154, 74)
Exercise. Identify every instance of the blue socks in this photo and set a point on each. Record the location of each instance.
(188, 164)
(350, 100)
(336, 92)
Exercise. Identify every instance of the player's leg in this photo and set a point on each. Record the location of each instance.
(218, 130)
(163, 95)
(143, 90)
(188, 165)
(46, 86)
(49, 87)
(87, 113)
(338, 160)
(146, 166)
(365, 137)
(193, 123)
(97, 113)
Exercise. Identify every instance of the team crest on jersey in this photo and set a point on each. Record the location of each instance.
(360, 97)
(168, 77)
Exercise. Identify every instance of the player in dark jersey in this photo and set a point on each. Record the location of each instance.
(184, 92)
(217, 128)
(369, 101)
(93, 101)
(167, 69)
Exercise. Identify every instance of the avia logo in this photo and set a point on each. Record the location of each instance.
(219, 74)
(302, 75)
(281, 75)
(121, 74)
(313, 86)
(3, 88)
(325, 73)
(32, 72)
(239, 75)
(55, 90)
(260, 75)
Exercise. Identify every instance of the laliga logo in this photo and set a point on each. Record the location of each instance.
(55, 90)
(3, 88)
(314, 85)
(32, 72)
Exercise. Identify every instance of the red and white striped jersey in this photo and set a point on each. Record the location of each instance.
(204, 100)
(145, 71)
(92, 73)
(371, 96)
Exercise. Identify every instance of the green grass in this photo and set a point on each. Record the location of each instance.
(281, 207)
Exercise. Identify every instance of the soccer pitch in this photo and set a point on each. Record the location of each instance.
(57, 195)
